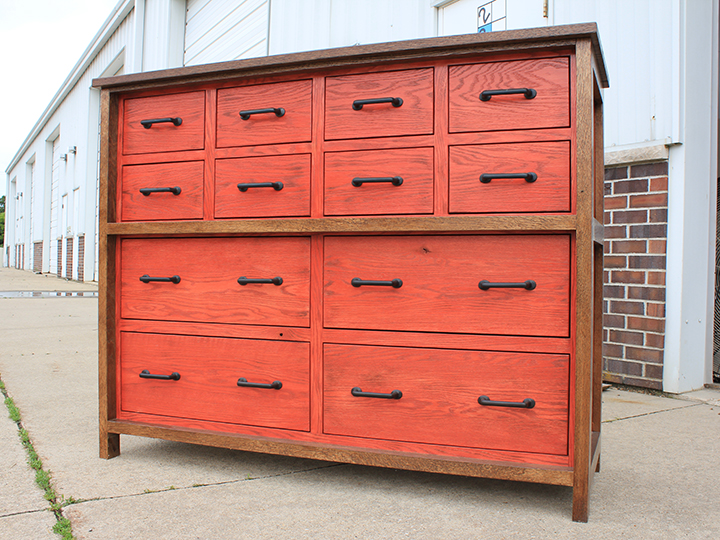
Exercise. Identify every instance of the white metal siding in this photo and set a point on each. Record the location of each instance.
(319, 24)
(220, 30)
(34, 211)
(54, 204)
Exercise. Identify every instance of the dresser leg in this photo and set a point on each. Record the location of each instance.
(109, 445)
(580, 503)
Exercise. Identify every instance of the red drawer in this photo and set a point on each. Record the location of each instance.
(549, 78)
(181, 195)
(291, 121)
(440, 391)
(289, 194)
(187, 110)
(414, 116)
(209, 369)
(208, 288)
(541, 181)
(440, 284)
(398, 181)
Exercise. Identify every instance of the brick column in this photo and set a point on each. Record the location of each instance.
(636, 199)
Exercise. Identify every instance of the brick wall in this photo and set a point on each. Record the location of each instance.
(636, 200)
(69, 258)
(81, 258)
(59, 257)
(37, 256)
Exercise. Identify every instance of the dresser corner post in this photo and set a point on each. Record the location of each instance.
(109, 444)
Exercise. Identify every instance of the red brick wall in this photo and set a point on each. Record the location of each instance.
(69, 258)
(81, 258)
(37, 256)
(636, 200)
(59, 255)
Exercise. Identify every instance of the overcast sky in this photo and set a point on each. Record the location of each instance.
(40, 42)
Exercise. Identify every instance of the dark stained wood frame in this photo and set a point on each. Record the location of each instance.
(584, 226)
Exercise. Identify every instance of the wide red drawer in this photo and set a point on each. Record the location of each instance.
(381, 104)
(481, 284)
(196, 279)
(197, 378)
(539, 95)
(264, 114)
(518, 177)
(162, 191)
(526, 397)
(167, 123)
(268, 186)
(397, 181)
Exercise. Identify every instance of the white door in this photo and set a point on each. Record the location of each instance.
(470, 16)
(63, 233)
(54, 205)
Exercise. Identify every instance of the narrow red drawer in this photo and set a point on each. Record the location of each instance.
(175, 122)
(196, 279)
(268, 186)
(440, 391)
(162, 191)
(546, 103)
(521, 177)
(398, 181)
(199, 377)
(406, 106)
(439, 278)
(264, 114)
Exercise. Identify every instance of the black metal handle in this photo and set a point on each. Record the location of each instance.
(275, 385)
(145, 374)
(358, 103)
(529, 177)
(527, 403)
(279, 111)
(147, 124)
(394, 283)
(148, 190)
(277, 186)
(394, 180)
(485, 285)
(357, 392)
(172, 279)
(242, 280)
(529, 93)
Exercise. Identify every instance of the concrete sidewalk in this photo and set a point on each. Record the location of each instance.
(660, 464)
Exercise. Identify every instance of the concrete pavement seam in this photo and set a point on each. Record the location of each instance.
(25, 512)
(651, 412)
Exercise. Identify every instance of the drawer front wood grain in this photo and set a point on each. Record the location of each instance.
(413, 117)
(208, 288)
(288, 196)
(541, 182)
(208, 369)
(292, 124)
(164, 136)
(398, 181)
(550, 107)
(440, 278)
(440, 391)
(184, 202)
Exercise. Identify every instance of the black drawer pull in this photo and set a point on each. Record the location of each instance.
(357, 392)
(147, 124)
(358, 103)
(529, 177)
(527, 403)
(172, 279)
(145, 374)
(529, 93)
(394, 180)
(485, 285)
(279, 111)
(148, 190)
(394, 283)
(277, 186)
(242, 280)
(275, 385)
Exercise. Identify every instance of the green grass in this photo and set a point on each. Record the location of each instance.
(43, 478)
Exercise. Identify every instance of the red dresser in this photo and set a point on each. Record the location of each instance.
(387, 255)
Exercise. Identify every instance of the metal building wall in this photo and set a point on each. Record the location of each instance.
(220, 30)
